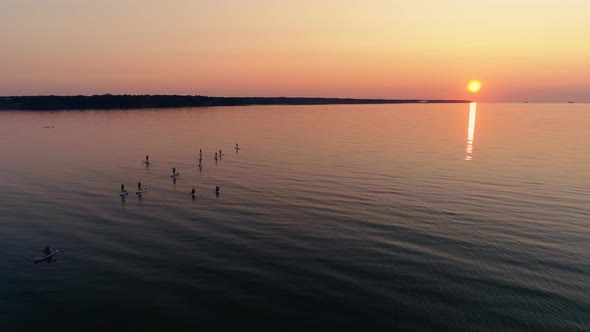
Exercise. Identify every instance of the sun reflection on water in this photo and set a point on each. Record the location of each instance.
(470, 131)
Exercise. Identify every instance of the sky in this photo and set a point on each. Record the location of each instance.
(535, 50)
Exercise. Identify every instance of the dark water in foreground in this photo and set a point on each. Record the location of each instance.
(332, 217)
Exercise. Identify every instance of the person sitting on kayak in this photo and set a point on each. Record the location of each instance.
(138, 185)
(47, 250)
(193, 191)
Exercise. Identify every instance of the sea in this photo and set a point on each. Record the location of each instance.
(418, 217)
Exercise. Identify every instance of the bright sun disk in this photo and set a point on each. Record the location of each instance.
(474, 86)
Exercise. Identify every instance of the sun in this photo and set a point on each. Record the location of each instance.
(474, 86)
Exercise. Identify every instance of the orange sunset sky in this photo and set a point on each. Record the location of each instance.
(536, 50)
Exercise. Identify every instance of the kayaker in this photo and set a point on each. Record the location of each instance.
(217, 190)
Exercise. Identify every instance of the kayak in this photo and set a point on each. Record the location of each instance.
(42, 258)
(174, 175)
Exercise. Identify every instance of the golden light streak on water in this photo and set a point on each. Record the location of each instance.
(470, 130)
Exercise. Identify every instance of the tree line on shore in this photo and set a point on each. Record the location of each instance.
(109, 101)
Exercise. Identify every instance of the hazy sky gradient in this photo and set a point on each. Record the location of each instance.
(537, 50)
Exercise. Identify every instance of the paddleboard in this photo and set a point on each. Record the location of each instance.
(42, 258)
(174, 175)
(139, 192)
(123, 193)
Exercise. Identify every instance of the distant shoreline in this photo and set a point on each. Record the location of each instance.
(108, 101)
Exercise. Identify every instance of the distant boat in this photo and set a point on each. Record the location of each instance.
(570, 102)
(423, 101)
(526, 101)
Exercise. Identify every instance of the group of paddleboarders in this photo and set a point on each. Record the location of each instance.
(174, 174)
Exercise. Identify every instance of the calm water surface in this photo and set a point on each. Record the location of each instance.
(420, 217)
